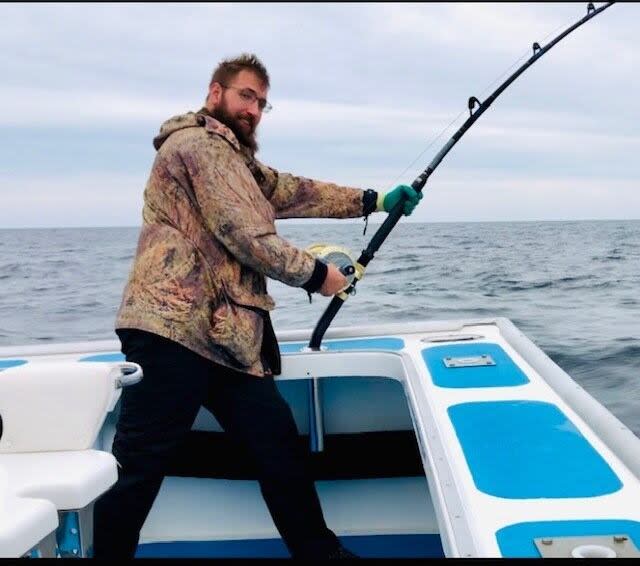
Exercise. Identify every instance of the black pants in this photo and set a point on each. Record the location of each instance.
(157, 413)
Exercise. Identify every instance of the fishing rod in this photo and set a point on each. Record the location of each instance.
(396, 212)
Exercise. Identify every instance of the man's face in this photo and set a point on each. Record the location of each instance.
(237, 105)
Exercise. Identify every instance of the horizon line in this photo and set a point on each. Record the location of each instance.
(325, 221)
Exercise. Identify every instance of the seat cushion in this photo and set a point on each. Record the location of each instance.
(70, 480)
(24, 522)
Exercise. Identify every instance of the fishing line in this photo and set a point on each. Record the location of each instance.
(434, 140)
(476, 109)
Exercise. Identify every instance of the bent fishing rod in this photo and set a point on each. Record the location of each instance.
(394, 216)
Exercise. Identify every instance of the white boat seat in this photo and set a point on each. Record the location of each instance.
(69, 479)
(52, 406)
(52, 413)
(24, 522)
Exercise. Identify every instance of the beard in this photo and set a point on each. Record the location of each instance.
(245, 131)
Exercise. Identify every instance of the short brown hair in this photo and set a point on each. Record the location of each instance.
(229, 68)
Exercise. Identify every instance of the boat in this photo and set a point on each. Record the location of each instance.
(451, 439)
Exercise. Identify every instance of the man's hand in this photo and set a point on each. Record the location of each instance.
(334, 282)
(409, 195)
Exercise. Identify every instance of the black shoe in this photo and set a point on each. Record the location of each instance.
(341, 553)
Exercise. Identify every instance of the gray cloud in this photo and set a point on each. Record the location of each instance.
(358, 90)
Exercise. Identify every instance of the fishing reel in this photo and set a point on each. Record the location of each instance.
(337, 255)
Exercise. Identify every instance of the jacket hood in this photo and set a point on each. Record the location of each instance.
(194, 120)
(188, 120)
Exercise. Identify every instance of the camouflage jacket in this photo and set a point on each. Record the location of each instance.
(208, 240)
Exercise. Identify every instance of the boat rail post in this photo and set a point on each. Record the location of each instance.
(316, 417)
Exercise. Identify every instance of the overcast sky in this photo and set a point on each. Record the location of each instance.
(358, 90)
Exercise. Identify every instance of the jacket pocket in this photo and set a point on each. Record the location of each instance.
(238, 330)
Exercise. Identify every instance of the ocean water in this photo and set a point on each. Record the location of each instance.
(571, 287)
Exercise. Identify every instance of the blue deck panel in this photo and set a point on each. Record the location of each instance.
(385, 343)
(516, 541)
(375, 546)
(504, 373)
(6, 364)
(112, 357)
(529, 449)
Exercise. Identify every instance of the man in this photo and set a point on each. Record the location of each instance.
(195, 310)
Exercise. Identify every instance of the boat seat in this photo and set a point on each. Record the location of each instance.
(27, 526)
(69, 479)
(52, 413)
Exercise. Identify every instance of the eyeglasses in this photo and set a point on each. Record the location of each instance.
(249, 97)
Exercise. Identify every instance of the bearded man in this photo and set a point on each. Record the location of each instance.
(195, 311)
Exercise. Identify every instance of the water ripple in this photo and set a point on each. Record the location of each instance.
(572, 287)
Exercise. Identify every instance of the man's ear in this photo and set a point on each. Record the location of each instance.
(215, 94)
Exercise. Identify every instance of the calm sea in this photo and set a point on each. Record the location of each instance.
(571, 287)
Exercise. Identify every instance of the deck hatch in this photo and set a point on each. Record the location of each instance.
(479, 364)
(469, 361)
(519, 540)
(610, 546)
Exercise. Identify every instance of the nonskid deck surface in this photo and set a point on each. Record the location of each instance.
(513, 450)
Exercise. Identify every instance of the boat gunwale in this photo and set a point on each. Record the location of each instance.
(292, 335)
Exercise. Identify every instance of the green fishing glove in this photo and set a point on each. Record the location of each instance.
(411, 198)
